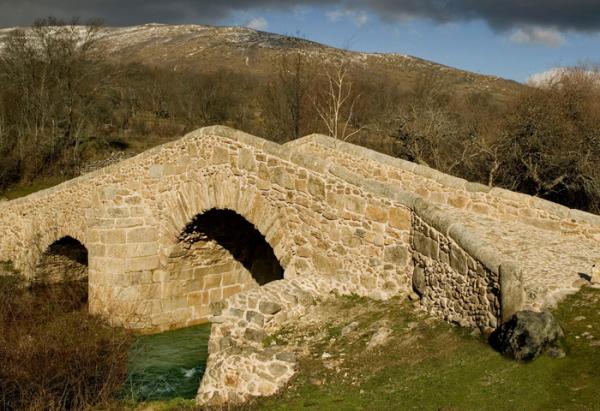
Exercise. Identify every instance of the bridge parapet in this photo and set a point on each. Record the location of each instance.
(443, 189)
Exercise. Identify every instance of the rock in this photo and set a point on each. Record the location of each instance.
(269, 308)
(419, 280)
(526, 335)
(252, 334)
(286, 356)
(326, 355)
(579, 318)
(349, 328)
(555, 352)
(379, 338)
(413, 297)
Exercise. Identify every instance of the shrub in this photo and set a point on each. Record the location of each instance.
(54, 355)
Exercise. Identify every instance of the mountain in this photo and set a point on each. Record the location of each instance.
(195, 47)
(209, 48)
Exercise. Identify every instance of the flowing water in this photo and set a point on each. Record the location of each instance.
(168, 365)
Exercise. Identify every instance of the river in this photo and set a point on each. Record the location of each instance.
(168, 365)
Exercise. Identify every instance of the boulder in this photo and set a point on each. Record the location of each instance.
(526, 335)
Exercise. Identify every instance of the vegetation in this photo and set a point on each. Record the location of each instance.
(427, 364)
(63, 106)
(54, 355)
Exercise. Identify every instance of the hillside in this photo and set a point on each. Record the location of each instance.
(210, 48)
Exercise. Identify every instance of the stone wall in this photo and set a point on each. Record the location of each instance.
(242, 362)
(451, 283)
(443, 189)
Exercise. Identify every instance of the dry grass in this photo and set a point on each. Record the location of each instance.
(54, 355)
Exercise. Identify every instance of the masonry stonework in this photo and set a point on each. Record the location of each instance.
(337, 219)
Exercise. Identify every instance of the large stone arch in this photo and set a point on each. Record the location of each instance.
(220, 192)
(188, 289)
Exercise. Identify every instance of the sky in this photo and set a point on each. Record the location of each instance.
(508, 38)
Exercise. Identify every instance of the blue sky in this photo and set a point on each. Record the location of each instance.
(508, 38)
(469, 45)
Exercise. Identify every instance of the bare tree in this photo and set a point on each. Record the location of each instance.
(53, 77)
(335, 103)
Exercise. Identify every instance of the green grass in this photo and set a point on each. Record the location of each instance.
(433, 366)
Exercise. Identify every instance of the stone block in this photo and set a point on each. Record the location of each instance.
(316, 187)
(269, 308)
(425, 245)
(325, 265)
(142, 249)
(246, 160)
(355, 204)
(277, 369)
(142, 235)
(419, 281)
(458, 260)
(255, 318)
(282, 178)
(142, 263)
(400, 218)
(376, 213)
(194, 298)
(112, 236)
(232, 290)
(212, 281)
(220, 155)
(396, 254)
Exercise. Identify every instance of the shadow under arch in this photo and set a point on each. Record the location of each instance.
(225, 229)
(64, 260)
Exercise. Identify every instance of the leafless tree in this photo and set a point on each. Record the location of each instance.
(335, 103)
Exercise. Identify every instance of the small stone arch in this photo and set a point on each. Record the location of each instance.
(64, 260)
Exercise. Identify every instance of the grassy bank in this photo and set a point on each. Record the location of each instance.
(426, 364)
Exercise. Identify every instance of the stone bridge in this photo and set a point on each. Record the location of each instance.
(226, 227)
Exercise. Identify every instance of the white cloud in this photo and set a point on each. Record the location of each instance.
(538, 35)
(258, 23)
(358, 17)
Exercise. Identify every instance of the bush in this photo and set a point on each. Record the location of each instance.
(54, 355)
